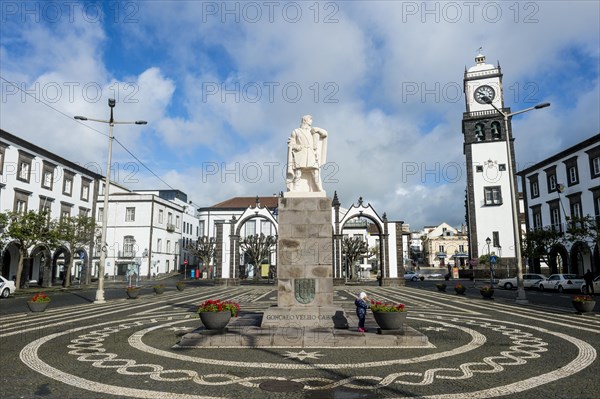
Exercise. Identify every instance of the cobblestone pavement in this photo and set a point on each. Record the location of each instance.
(127, 348)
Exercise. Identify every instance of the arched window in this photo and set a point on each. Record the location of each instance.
(479, 132)
(496, 130)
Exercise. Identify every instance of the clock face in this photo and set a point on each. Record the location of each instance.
(484, 91)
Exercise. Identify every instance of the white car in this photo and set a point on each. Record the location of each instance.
(411, 276)
(596, 285)
(7, 287)
(561, 282)
(529, 281)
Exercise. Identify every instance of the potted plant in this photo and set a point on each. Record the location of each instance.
(132, 292)
(460, 289)
(487, 291)
(180, 285)
(215, 314)
(583, 303)
(159, 288)
(389, 316)
(39, 302)
(441, 287)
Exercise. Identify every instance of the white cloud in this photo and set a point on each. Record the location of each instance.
(385, 80)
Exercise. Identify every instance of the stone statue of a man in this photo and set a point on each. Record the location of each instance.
(307, 152)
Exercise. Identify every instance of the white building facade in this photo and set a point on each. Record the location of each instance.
(33, 178)
(564, 187)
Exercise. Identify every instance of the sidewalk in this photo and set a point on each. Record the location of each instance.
(108, 283)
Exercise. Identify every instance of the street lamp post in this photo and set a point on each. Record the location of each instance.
(488, 242)
(104, 247)
(521, 296)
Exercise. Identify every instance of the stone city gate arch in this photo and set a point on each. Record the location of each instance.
(355, 212)
(232, 238)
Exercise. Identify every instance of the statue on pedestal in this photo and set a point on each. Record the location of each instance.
(307, 152)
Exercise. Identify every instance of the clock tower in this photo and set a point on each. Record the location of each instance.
(486, 146)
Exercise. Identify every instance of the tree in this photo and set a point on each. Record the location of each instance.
(354, 248)
(586, 228)
(258, 248)
(75, 233)
(26, 230)
(539, 242)
(204, 248)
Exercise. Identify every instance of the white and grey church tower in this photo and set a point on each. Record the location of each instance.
(487, 141)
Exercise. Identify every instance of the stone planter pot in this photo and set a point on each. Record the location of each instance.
(460, 291)
(180, 287)
(134, 293)
(584, 307)
(37, 306)
(215, 320)
(487, 293)
(390, 320)
(159, 290)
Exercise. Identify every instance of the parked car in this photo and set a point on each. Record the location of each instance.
(529, 281)
(7, 287)
(561, 282)
(596, 285)
(411, 276)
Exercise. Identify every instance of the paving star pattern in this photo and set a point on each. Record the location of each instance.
(127, 348)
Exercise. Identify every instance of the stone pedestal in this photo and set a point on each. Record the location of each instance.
(304, 266)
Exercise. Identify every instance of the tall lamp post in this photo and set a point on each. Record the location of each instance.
(521, 296)
(488, 241)
(104, 247)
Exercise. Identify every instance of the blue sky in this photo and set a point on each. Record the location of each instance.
(222, 84)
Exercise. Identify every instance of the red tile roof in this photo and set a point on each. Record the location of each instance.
(245, 202)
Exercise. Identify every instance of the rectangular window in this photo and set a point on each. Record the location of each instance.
(596, 167)
(68, 183)
(130, 214)
(535, 189)
(461, 248)
(495, 239)
(159, 245)
(441, 248)
(85, 189)
(24, 169)
(250, 228)
(479, 168)
(534, 185)
(573, 175)
(594, 161)
(493, 195)
(161, 216)
(571, 171)
(177, 221)
(169, 218)
(84, 212)
(100, 214)
(21, 201)
(48, 175)
(45, 204)
(201, 229)
(2, 153)
(551, 183)
(65, 210)
(555, 220)
(537, 216)
(502, 167)
(168, 246)
(128, 246)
